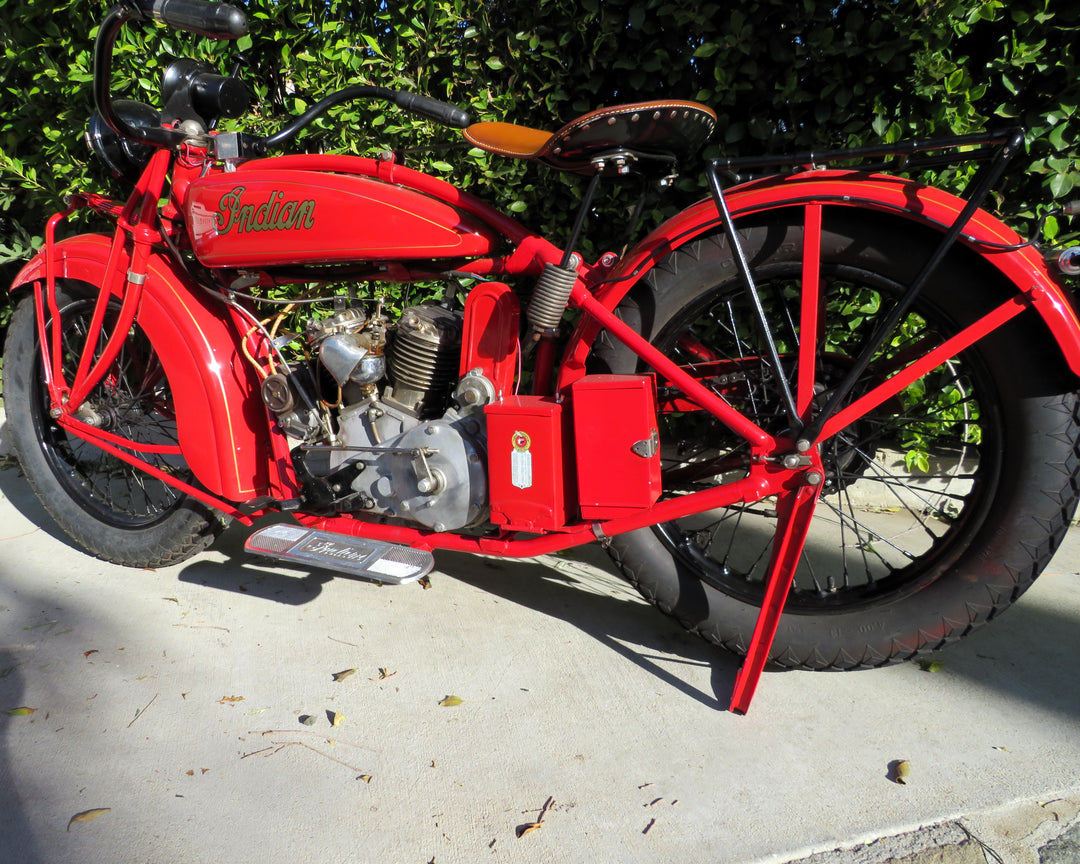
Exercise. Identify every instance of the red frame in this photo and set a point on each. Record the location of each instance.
(238, 455)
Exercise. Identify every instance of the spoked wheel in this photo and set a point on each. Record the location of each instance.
(109, 507)
(938, 507)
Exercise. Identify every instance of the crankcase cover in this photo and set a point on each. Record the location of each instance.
(280, 217)
(447, 489)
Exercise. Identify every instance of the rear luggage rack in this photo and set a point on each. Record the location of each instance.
(903, 154)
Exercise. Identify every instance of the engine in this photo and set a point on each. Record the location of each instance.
(388, 428)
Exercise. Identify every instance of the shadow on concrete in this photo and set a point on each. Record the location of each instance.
(18, 843)
(242, 573)
(14, 487)
(1027, 654)
(626, 626)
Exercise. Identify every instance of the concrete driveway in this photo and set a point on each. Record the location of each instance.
(188, 714)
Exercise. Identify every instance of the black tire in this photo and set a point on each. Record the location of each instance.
(108, 507)
(930, 566)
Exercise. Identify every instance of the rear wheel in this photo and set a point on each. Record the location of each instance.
(112, 509)
(939, 507)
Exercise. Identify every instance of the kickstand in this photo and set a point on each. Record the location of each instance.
(794, 509)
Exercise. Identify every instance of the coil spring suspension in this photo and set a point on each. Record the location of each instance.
(550, 297)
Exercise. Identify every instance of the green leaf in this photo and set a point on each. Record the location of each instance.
(1050, 229)
(917, 460)
(1061, 184)
(373, 45)
(451, 701)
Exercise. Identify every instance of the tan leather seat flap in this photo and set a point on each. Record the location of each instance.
(507, 139)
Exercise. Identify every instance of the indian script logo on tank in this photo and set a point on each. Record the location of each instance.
(273, 214)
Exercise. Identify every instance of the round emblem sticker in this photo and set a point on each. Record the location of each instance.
(521, 473)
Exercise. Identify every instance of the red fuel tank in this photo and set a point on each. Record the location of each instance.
(287, 217)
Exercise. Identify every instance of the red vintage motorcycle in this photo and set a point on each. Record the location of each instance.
(825, 417)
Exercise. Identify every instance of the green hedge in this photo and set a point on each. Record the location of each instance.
(781, 75)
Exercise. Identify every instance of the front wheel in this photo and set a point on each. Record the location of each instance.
(939, 507)
(110, 508)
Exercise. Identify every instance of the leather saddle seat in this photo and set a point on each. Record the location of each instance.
(654, 136)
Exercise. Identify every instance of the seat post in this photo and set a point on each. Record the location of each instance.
(582, 215)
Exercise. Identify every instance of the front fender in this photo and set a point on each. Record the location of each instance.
(902, 198)
(221, 419)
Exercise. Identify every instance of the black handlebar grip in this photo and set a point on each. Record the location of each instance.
(213, 20)
(433, 109)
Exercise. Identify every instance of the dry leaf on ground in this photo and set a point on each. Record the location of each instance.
(88, 815)
(529, 827)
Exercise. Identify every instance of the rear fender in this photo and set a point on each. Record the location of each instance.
(904, 199)
(222, 422)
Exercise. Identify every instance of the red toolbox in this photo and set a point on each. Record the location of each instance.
(616, 444)
(526, 441)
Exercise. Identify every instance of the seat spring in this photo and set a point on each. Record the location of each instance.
(550, 297)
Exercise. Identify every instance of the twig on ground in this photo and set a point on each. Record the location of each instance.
(139, 714)
(285, 744)
(330, 739)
